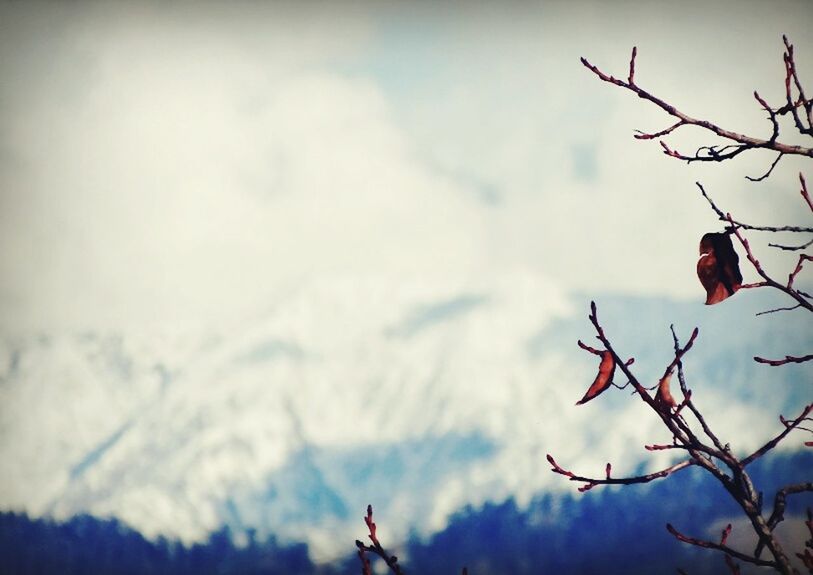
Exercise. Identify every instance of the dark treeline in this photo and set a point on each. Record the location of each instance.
(617, 531)
(608, 531)
(86, 545)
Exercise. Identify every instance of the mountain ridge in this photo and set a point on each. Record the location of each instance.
(447, 394)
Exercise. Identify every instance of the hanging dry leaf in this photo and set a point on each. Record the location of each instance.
(718, 267)
(606, 369)
(663, 398)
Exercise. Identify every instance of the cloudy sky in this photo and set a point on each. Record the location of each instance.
(187, 163)
(334, 167)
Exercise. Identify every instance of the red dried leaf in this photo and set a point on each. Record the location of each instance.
(718, 267)
(663, 398)
(606, 369)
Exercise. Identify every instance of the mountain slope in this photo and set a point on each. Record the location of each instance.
(418, 398)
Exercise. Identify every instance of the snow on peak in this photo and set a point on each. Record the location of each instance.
(418, 397)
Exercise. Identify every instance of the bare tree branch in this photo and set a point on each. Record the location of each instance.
(778, 157)
(788, 289)
(376, 548)
(707, 153)
(590, 482)
(726, 218)
(778, 309)
(789, 426)
(706, 449)
(802, 259)
(788, 359)
(793, 106)
(780, 502)
(688, 398)
(805, 195)
(792, 248)
(807, 556)
(719, 546)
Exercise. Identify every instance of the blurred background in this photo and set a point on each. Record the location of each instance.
(262, 264)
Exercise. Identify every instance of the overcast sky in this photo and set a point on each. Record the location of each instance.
(188, 163)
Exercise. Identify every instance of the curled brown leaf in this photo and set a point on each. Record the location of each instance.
(718, 267)
(606, 369)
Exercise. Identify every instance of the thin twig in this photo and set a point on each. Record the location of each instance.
(680, 351)
(776, 161)
(719, 546)
(788, 359)
(590, 482)
(789, 290)
(805, 195)
(647, 136)
(390, 560)
(790, 65)
(727, 218)
(789, 426)
(712, 153)
(797, 306)
(792, 248)
(771, 117)
(696, 412)
(802, 259)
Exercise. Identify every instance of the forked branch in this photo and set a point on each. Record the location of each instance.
(789, 425)
(590, 482)
(720, 546)
(712, 455)
(788, 288)
(376, 548)
(780, 502)
(719, 266)
(739, 142)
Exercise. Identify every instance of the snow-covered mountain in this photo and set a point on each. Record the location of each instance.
(417, 397)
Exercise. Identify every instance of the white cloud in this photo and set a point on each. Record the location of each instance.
(191, 162)
(510, 105)
(189, 179)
